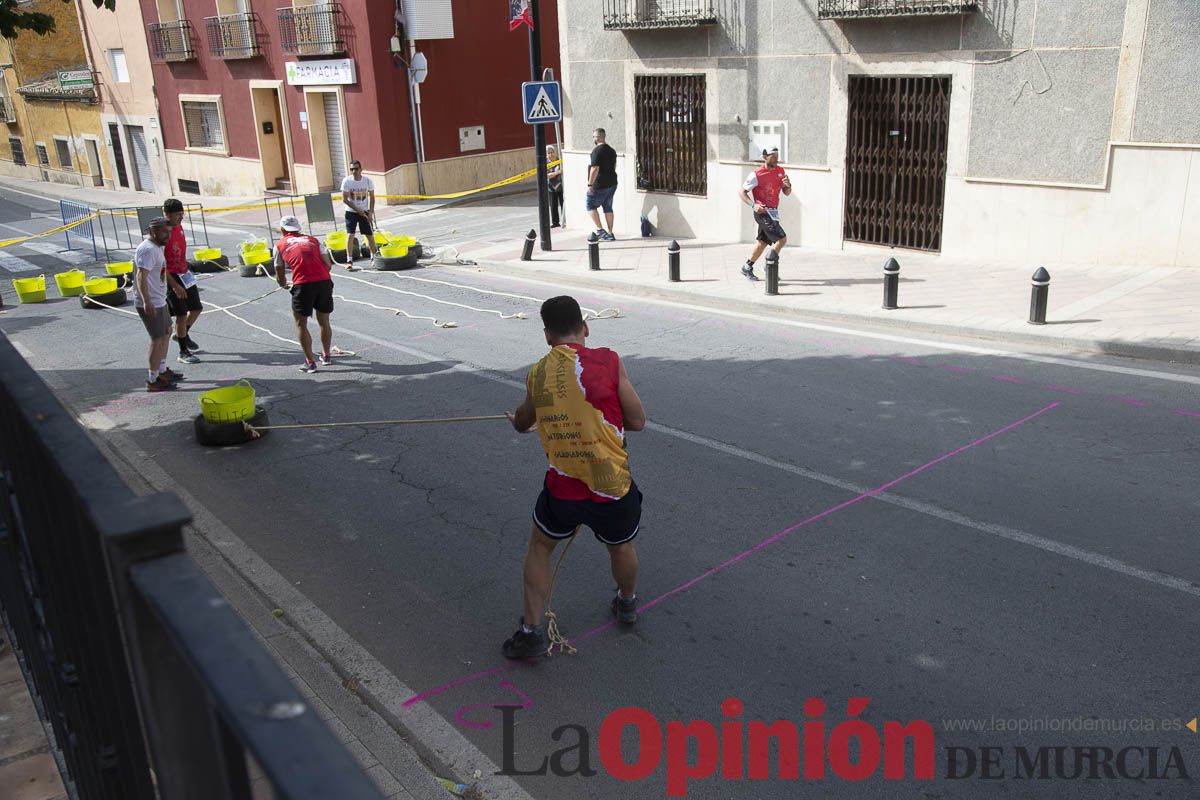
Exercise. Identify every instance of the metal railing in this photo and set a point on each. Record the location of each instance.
(8, 111)
(857, 9)
(135, 659)
(171, 41)
(645, 14)
(311, 30)
(233, 36)
(122, 229)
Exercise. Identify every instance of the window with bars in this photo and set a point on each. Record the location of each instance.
(672, 150)
(202, 125)
(18, 150)
(63, 150)
(43, 154)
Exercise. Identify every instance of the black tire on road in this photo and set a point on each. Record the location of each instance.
(117, 298)
(403, 262)
(228, 434)
(257, 270)
(339, 256)
(215, 265)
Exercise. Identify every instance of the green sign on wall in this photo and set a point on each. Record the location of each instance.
(75, 79)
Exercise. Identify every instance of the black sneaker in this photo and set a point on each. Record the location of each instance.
(525, 645)
(625, 610)
(748, 271)
(190, 343)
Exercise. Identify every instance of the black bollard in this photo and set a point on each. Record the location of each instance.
(772, 272)
(673, 261)
(593, 252)
(1041, 293)
(527, 250)
(891, 283)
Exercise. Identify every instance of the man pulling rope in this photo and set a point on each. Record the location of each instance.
(581, 402)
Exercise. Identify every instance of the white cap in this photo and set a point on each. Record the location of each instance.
(289, 223)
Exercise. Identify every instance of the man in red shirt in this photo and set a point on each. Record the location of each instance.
(183, 297)
(761, 192)
(312, 288)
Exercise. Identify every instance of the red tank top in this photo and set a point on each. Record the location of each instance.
(176, 251)
(302, 254)
(770, 184)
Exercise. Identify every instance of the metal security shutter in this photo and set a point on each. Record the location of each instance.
(141, 158)
(333, 128)
(429, 19)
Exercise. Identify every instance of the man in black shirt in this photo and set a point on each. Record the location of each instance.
(602, 184)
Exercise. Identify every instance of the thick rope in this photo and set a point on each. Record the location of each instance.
(552, 632)
(500, 314)
(253, 430)
(397, 311)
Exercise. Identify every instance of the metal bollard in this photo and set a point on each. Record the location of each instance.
(673, 261)
(527, 250)
(772, 272)
(891, 283)
(593, 252)
(1039, 296)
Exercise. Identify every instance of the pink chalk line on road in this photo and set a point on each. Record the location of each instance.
(765, 543)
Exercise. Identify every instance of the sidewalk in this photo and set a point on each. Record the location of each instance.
(27, 768)
(1142, 312)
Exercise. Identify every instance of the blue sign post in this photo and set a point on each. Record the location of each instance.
(541, 102)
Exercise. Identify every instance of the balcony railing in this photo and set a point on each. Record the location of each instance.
(8, 112)
(859, 9)
(645, 14)
(233, 36)
(171, 41)
(312, 30)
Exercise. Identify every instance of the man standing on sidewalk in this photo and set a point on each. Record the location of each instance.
(580, 401)
(312, 287)
(602, 185)
(150, 298)
(761, 192)
(183, 297)
(358, 193)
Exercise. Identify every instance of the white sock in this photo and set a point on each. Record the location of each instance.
(162, 366)
(152, 376)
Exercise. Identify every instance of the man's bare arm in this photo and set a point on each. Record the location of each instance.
(524, 419)
(631, 405)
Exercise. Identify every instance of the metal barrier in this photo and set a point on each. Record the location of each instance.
(317, 208)
(111, 617)
(73, 212)
(122, 229)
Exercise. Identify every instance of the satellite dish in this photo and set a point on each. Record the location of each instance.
(418, 68)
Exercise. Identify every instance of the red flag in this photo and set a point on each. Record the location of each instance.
(518, 12)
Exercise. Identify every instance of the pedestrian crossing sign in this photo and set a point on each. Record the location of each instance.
(541, 101)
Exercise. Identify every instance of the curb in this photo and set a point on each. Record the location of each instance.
(1150, 351)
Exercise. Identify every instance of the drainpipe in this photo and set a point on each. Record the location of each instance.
(414, 96)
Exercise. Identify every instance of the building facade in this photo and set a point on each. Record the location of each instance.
(1064, 131)
(255, 97)
(49, 104)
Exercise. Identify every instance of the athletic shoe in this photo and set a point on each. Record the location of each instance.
(186, 357)
(309, 367)
(325, 359)
(525, 645)
(160, 386)
(748, 271)
(170, 375)
(625, 610)
(190, 343)
(605, 236)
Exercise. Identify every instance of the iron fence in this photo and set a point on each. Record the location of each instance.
(857, 9)
(233, 36)
(672, 145)
(171, 41)
(134, 658)
(122, 229)
(72, 212)
(642, 14)
(312, 30)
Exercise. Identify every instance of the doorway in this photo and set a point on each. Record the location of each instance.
(272, 139)
(326, 131)
(896, 161)
(93, 157)
(144, 178)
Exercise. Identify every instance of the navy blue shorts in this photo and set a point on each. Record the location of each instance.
(601, 198)
(612, 523)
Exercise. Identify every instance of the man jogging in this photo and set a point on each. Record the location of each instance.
(580, 401)
(358, 194)
(183, 297)
(312, 287)
(761, 192)
(150, 298)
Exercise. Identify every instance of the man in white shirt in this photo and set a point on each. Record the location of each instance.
(358, 193)
(150, 297)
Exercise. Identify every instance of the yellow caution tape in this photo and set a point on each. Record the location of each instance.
(59, 229)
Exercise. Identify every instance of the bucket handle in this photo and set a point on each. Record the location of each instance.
(244, 382)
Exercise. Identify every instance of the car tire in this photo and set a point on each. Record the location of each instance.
(117, 298)
(229, 434)
(215, 265)
(386, 264)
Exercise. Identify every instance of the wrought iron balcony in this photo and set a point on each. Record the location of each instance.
(171, 41)
(645, 14)
(312, 30)
(233, 36)
(861, 9)
(8, 112)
